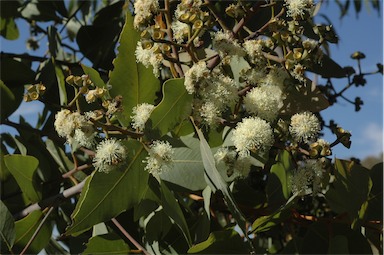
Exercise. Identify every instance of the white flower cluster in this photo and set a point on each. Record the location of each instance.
(75, 128)
(141, 114)
(276, 76)
(264, 101)
(188, 6)
(160, 157)
(149, 56)
(217, 92)
(236, 166)
(195, 75)
(298, 72)
(304, 127)
(252, 134)
(110, 154)
(252, 76)
(307, 178)
(298, 8)
(112, 107)
(226, 45)
(144, 10)
(180, 31)
(254, 50)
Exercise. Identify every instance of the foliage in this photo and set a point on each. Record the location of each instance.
(180, 127)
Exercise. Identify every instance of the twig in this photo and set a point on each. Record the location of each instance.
(175, 54)
(37, 231)
(36, 58)
(72, 16)
(51, 201)
(76, 169)
(130, 238)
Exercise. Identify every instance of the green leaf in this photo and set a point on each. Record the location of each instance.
(375, 202)
(4, 173)
(157, 227)
(315, 240)
(328, 68)
(61, 84)
(24, 230)
(98, 43)
(221, 242)
(40, 11)
(9, 28)
(207, 193)
(7, 228)
(94, 76)
(173, 210)
(59, 156)
(282, 169)
(264, 223)
(15, 73)
(62, 160)
(109, 13)
(350, 189)
(245, 194)
(23, 168)
(54, 43)
(188, 168)
(278, 186)
(135, 83)
(357, 6)
(10, 100)
(47, 75)
(106, 244)
(304, 99)
(333, 238)
(216, 182)
(173, 108)
(338, 245)
(105, 196)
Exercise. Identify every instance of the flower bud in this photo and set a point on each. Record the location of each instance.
(31, 88)
(358, 55)
(297, 53)
(27, 98)
(193, 18)
(78, 81)
(198, 24)
(40, 88)
(70, 80)
(34, 95)
(184, 17)
(145, 34)
(157, 35)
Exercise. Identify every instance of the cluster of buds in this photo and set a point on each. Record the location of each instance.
(83, 82)
(303, 53)
(34, 92)
(320, 148)
(343, 136)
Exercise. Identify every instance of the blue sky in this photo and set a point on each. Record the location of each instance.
(364, 34)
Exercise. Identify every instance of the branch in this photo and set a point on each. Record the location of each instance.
(130, 238)
(37, 231)
(251, 12)
(36, 58)
(51, 201)
(75, 170)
